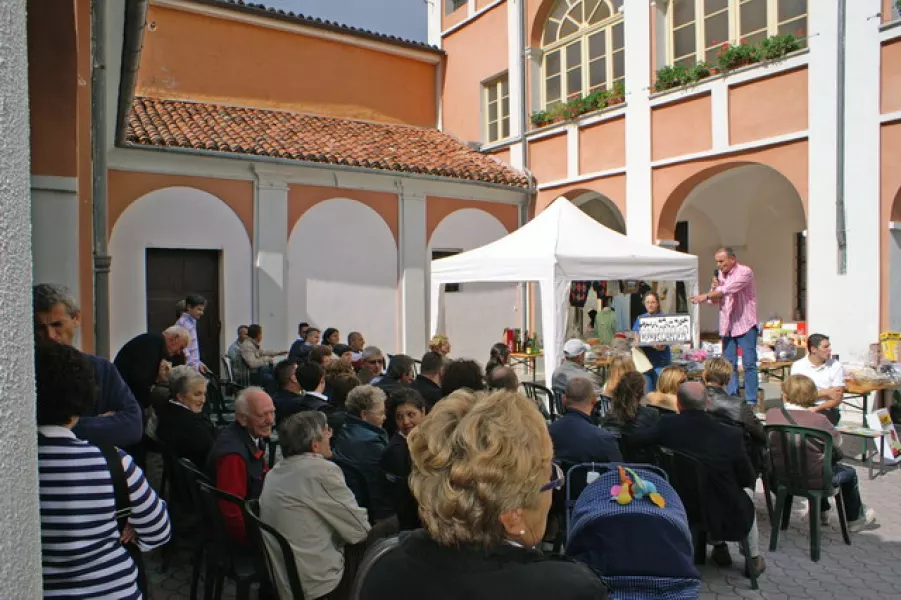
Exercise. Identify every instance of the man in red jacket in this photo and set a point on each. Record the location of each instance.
(237, 461)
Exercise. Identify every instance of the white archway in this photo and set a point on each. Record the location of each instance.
(183, 218)
(476, 315)
(342, 272)
(600, 208)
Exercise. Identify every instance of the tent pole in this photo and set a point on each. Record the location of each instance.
(522, 218)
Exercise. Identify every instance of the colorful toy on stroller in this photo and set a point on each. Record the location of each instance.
(629, 525)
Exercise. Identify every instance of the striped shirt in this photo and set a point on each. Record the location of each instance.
(738, 306)
(81, 554)
(192, 352)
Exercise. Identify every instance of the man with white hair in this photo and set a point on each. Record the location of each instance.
(116, 418)
(237, 463)
(145, 360)
(573, 365)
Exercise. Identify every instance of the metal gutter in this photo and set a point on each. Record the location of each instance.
(101, 259)
(135, 21)
(841, 227)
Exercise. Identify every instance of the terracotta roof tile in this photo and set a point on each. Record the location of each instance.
(257, 132)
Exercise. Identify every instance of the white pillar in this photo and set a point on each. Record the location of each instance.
(639, 209)
(20, 569)
(514, 67)
(435, 10)
(270, 248)
(413, 273)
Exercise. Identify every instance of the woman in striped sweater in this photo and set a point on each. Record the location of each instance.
(83, 554)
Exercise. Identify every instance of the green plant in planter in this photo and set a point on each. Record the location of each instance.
(733, 57)
(674, 76)
(777, 46)
(618, 94)
(540, 118)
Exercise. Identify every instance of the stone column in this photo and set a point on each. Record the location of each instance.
(639, 209)
(412, 256)
(270, 248)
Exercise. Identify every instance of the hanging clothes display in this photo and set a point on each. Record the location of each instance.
(578, 293)
(623, 312)
(605, 328)
(666, 291)
(636, 304)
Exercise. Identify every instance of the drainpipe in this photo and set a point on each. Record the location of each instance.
(98, 179)
(135, 21)
(524, 144)
(841, 233)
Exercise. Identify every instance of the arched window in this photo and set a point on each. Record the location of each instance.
(583, 49)
(698, 28)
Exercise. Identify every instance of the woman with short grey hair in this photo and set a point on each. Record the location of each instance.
(181, 424)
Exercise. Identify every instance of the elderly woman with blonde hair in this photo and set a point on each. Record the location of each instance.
(482, 475)
(440, 345)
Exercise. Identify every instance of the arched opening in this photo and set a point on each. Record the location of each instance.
(600, 208)
(755, 210)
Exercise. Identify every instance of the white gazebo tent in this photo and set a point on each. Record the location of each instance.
(561, 245)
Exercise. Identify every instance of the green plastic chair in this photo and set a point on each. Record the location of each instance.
(790, 476)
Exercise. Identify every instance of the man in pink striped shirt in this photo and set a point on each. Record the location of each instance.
(734, 290)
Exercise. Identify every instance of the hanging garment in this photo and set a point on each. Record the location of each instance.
(621, 304)
(578, 293)
(666, 291)
(605, 326)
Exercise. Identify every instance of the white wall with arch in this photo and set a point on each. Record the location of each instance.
(342, 272)
(602, 209)
(476, 316)
(182, 218)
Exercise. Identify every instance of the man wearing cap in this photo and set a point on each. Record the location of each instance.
(573, 365)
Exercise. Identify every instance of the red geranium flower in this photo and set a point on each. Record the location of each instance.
(800, 33)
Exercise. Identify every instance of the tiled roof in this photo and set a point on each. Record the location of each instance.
(286, 15)
(256, 132)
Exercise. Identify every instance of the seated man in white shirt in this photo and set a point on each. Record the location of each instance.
(826, 373)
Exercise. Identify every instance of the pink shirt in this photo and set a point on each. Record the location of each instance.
(738, 306)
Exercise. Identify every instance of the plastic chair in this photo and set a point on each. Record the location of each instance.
(688, 476)
(216, 401)
(189, 478)
(225, 558)
(792, 476)
(543, 395)
(256, 528)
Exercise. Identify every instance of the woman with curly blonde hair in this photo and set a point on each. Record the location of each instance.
(622, 364)
(440, 345)
(482, 475)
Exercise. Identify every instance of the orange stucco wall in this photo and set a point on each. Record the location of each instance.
(887, 10)
(269, 68)
(672, 184)
(502, 155)
(891, 77)
(449, 20)
(681, 128)
(480, 4)
(602, 146)
(536, 15)
(52, 81)
(547, 158)
(613, 187)
(302, 198)
(768, 107)
(474, 53)
(437, 208)
(890, 204)
(127, 186)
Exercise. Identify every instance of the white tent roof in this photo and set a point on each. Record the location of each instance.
(580, 248)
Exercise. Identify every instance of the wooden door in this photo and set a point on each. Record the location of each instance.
(172, 275)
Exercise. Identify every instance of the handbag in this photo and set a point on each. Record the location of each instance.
(123, 509)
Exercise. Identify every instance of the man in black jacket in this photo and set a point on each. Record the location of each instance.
(292, 379)
(732, 409)
(730, 476)
(428, 382)
(145, 360)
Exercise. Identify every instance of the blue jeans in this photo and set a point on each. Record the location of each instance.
(748, 344)
(846, 477)
(650, 379)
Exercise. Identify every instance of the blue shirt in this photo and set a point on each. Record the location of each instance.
(658, 358)
(577, 440)
(126, 426)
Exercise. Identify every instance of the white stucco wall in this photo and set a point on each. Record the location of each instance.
(342, 272)
(185, 218)
(476, 316)
(20, 568)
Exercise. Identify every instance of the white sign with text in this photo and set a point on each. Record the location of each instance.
(664, 329)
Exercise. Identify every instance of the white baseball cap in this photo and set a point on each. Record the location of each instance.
(575, 347)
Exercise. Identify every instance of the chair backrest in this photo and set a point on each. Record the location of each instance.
(258, 530)
(227, 374)
(417, 365)
(355, 481)
(539, 393)
(190, 478)
(791, 450)
(211, 497)
(688, 477)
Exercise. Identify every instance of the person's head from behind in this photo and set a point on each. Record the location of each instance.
(619, 366)
(432, 364)
(717, 372)
(311, 377)
(500, 354)
(819, 348)
(670, 379)
(56, 313)
(341, 387)
(64, 382)
(651, 302)
(255, 332)
(356, 341)
(725, 259)
(188, 388)
(440, 344)
(691, 397)
(195, 305)
(461, 373)
(574, 350)
(502, 378)
(286, 376)
(367, 402)
(302, 328)
(400, 368)
(255, 412)
(305, 433)
(312, 336)
(579, 395)
(373, 359)
(799, 390)
(481, 470)
(321, 355)
(242, 333)
(177, 339)
(627, 396)
(335, 368)
(331, 336)
(407, 407)
(344, 353)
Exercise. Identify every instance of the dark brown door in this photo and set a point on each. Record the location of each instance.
(172, 275)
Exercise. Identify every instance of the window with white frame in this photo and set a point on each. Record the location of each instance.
(584, 49)
(496, 108)
(452, 5)
(698, 28)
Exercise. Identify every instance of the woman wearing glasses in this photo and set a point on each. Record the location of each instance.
(483, 477)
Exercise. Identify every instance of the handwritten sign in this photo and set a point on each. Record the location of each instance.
(664, 329)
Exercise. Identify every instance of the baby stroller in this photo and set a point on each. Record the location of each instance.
(641, 550)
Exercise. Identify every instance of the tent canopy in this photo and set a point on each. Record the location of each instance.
(560, 245)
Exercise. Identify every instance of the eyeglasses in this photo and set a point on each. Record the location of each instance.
(379, 361)
(557, 478)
